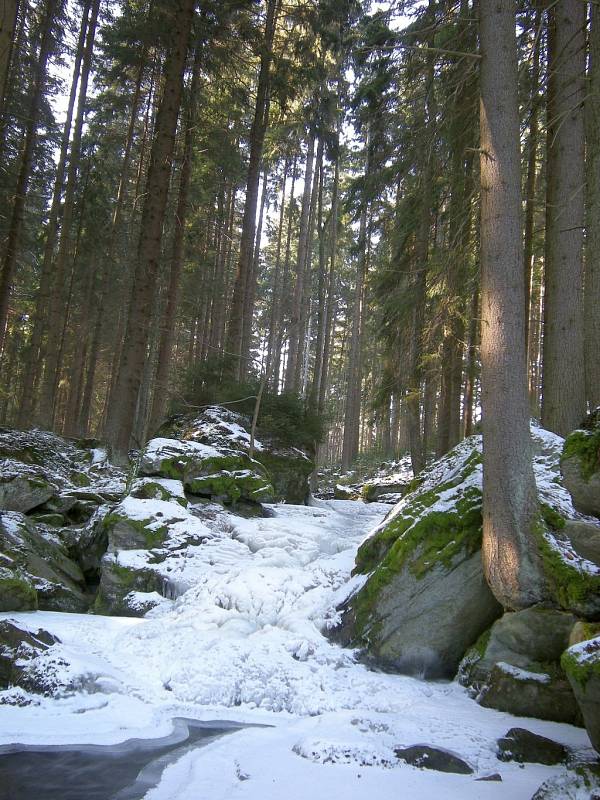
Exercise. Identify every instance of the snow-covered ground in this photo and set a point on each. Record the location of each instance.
(245, 644)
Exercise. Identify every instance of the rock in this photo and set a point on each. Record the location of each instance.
(581, 662)
(206, 471)
(159, 489)
(341, 492)
(515, 666)
(40, 562)
(141, 535)
(585, 539)
(373, 491)
(19, 650)
(580, 465)
(23, 487)
(425, 600)
(286, 469)
(577, 782)
(524, 746)
(436, 758)
(494, 777)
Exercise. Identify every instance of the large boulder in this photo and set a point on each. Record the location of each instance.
(425, 599)
(145, 537)
(19, 658)
(225, 437)
(580, 465)
(36, 570)
(515, 666)
(581, 662)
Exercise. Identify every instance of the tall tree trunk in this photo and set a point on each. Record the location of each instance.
(167, 333)
(257, 136)
(354, 377)
(133, 358)
(33, 356)
(8, 22)
(563, 392)
(52, 366)
(276, 298)
(279, 322)
(292, 369)
(471, 376)
(592, 264)
(26, 162)
(530, 184)
(509, 493)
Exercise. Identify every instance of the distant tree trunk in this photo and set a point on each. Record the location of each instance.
(274, 316)
(329, 308)
(294, 332)
(8, 22)
(530, 185)
(592, 264)
(471, 375)
(322, 298)
(279, 322)
(510, 505)
(45, 415)
(121, 414)
(350, 445)
(33, 355)
(167, 333)
(563, 392)
(257, 136)
(26, 162)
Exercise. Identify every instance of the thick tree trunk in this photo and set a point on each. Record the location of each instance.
(167, 333)
(26, 162)
(133, 358)
(510, 505)
(592, 264)
(563, 392)
(235, 330)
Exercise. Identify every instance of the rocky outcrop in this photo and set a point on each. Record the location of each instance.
(525, 747)
(36, 570)
(515, 666)
(580, 465)
(19, 658)
(211, 456)
(424, 600)
(581, 663)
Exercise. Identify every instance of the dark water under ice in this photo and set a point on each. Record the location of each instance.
(123, 771)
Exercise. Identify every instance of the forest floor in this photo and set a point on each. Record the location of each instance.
(244, 644)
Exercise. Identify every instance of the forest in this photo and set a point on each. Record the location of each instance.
(285, 194)
(299, 399)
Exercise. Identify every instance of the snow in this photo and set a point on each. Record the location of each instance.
(523, 674)
(245, 643)
(159, 448)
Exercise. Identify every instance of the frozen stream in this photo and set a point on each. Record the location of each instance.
(123, 771)
(245, 644)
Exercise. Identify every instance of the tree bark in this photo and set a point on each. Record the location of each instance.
(9, 10)
(45, 414)
(167, 333)
(121, 414)
(592, 264)
(563, 389)
(18, 208)
(257, 135)
(510, 505)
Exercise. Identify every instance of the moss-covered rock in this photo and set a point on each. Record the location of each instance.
(23, 487)
(19, 651)
(16, 593)
(159, 489)
(582, 666)
(42, 562)
(425, 599)
(580, 466)
(119, 581)
(515, 666)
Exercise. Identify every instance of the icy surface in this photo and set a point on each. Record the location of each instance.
(244, 642)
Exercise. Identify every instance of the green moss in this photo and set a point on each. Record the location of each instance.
(153, 537)
(437, 538)
(551, 517)
(17, 594)
(232, 485)
(585, 446)
(80, 479)
(581, 671)
(570, 586)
